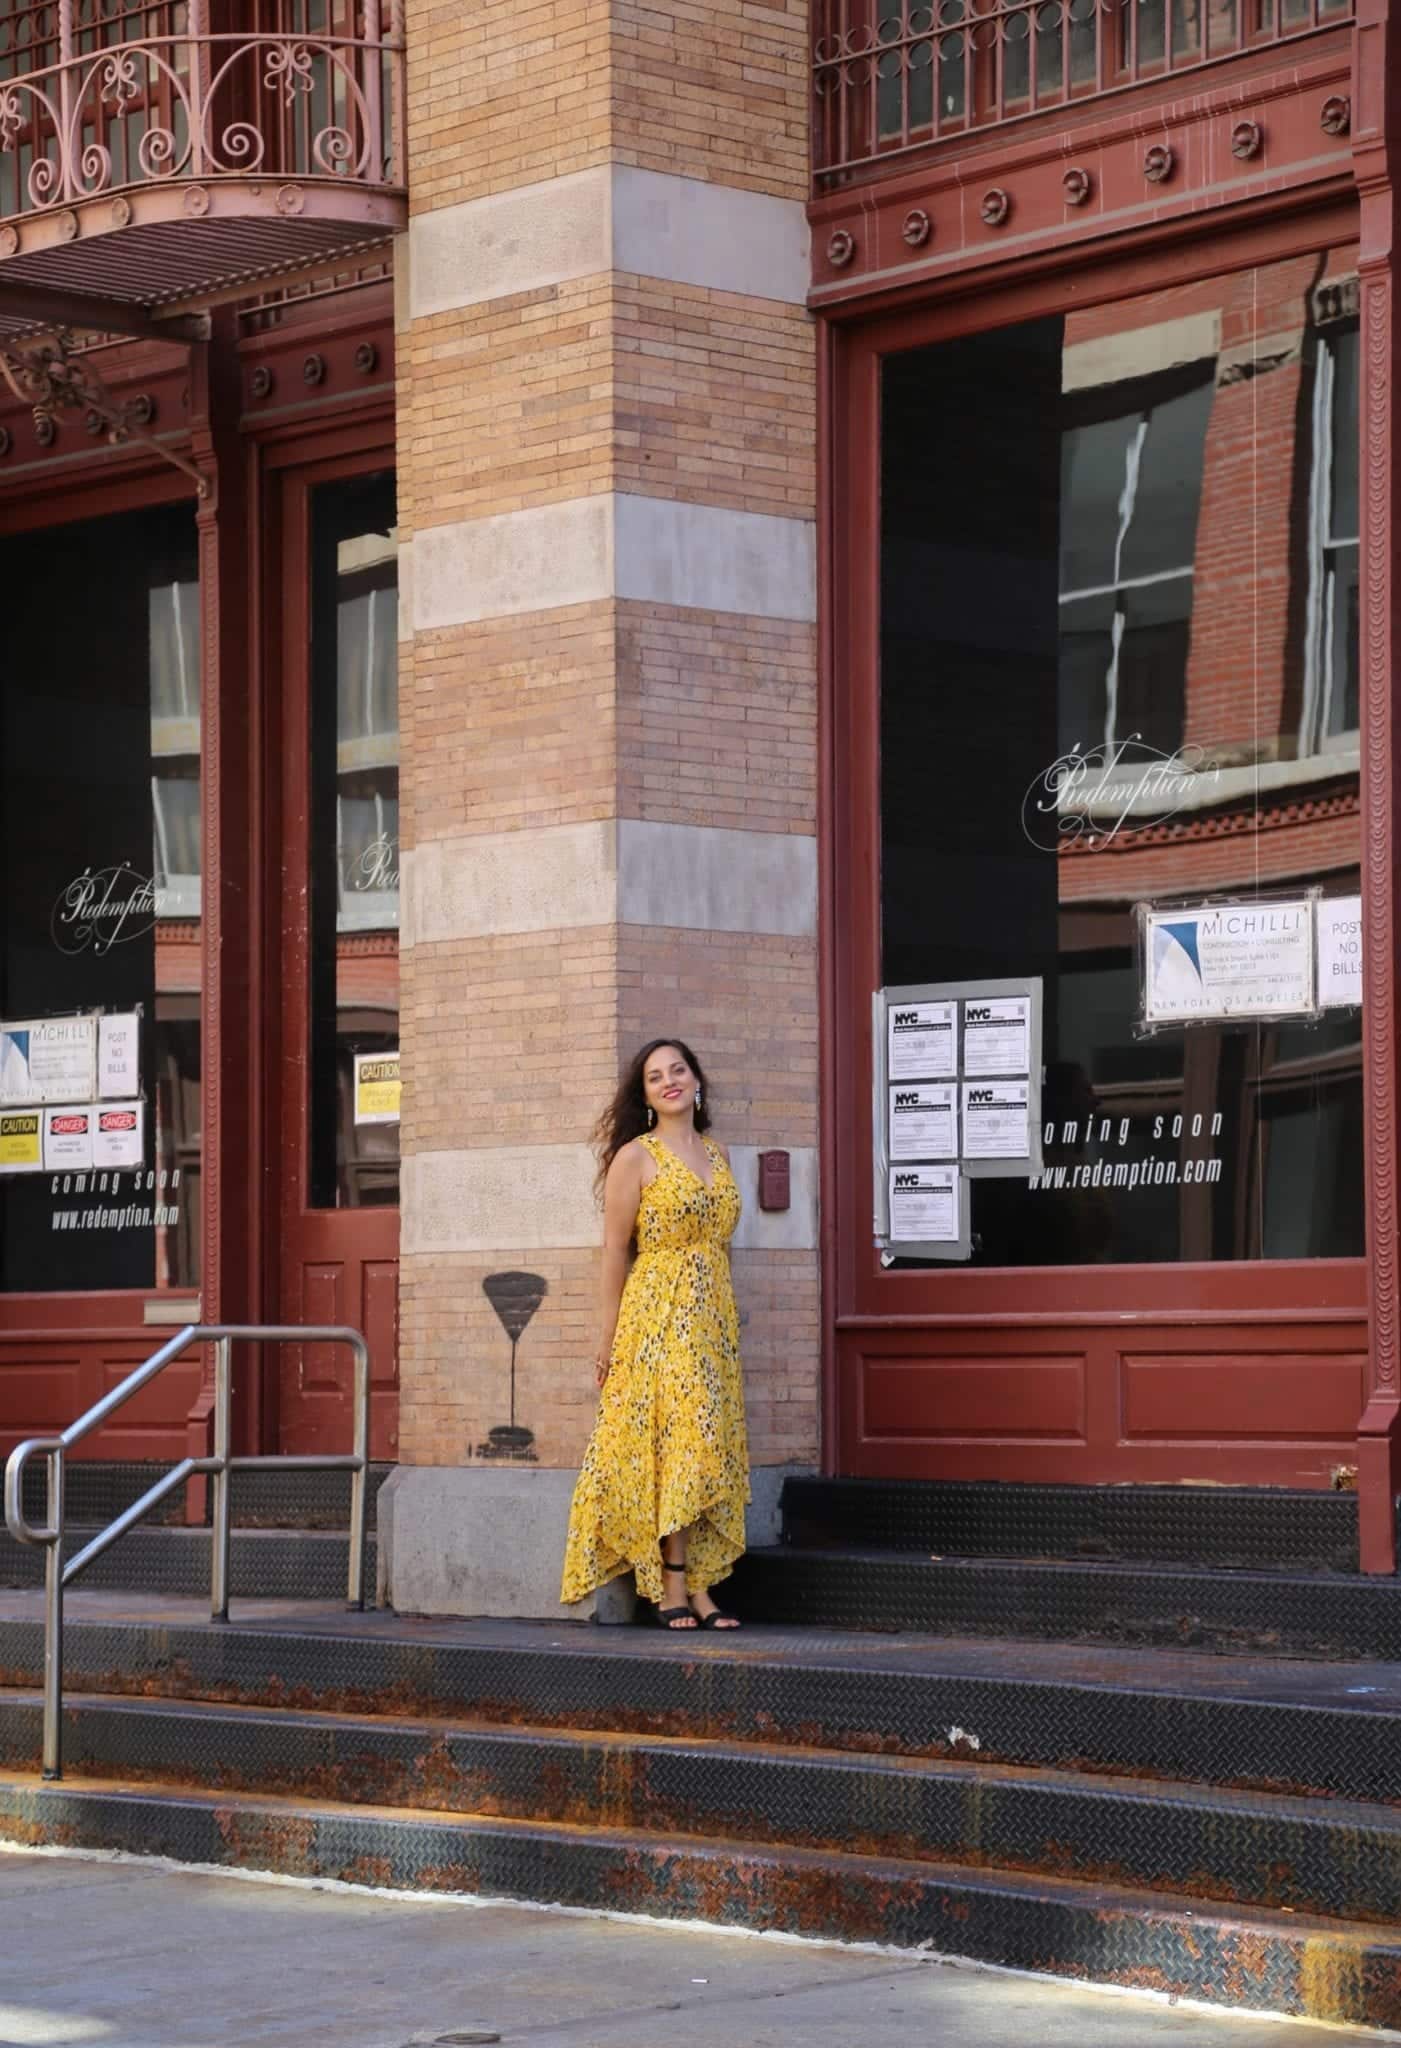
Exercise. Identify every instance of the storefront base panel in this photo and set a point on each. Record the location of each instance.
(1246, 1404)
(50, 1375)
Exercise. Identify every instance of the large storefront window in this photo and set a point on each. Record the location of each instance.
(355, 846)
(100, 868)
(1119, 669)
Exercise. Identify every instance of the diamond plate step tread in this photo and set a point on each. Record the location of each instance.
(295, 1564)
(1263, 1961)
(1334, 1730)
(1258, 1613)
(98, 1490)
(1332, 1858)
(1237, 1527)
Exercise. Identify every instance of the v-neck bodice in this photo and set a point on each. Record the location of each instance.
(679, 1211)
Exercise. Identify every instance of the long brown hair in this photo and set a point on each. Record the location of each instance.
(626, 1115)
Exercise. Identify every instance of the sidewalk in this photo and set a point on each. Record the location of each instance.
(107, 1955)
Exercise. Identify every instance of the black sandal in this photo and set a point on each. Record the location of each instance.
(716, 1616)
(671, 1617)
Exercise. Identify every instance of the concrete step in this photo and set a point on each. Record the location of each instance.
(1262, 1959)
(1296, 1728)
(1330, 1858)
(306, 1564)
(1283, 1614)
(1249, 1528)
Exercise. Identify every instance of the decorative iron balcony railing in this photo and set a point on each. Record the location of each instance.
(122, 116)
(894, 75)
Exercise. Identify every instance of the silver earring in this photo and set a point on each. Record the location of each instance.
(698, 1098)
(651, 1116)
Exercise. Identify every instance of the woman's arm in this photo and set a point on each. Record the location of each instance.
(622, 1191)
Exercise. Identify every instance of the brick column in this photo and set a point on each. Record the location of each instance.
(606, 476)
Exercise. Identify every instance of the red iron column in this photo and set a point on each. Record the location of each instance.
(1376, 118)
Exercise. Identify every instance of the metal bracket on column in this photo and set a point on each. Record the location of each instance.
(51, 376)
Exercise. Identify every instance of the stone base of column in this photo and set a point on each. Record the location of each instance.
(487, 1540)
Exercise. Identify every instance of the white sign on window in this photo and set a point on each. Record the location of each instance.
(924, 1204)
(924, 1120)
(118, 1055)
(923, 1042)
(1229, 960)
(119, 1139)
(996, 1120)
(997, 1035)
(48, 1059)
(1339, 951)
(68, 1135)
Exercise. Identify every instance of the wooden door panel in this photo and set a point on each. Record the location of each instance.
(1302, 1395)
(325, 1369)
(351, 1280)
(379, 1319)
(41, 1390)
(1262, 1403)
(961, 1397)
(48, 1378)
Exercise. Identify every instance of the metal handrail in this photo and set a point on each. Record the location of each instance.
(57, 1575)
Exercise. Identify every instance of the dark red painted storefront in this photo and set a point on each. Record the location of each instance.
(1278, 1372)
(282, 401)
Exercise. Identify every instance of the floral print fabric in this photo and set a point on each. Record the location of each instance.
(669, 1449)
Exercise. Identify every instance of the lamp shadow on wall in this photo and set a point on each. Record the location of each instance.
(515, 1297)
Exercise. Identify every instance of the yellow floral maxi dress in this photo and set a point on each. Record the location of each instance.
(668, 1450)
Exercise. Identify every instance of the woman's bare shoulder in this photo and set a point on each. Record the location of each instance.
(633, 1163)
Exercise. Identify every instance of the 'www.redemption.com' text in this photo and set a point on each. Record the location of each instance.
(1130, 1173)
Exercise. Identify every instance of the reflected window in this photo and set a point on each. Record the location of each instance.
(1124, 673)
(1331, 649)
(354, 946)
(173, 630)
(367, 731)
(100, 866)
(1130, 487)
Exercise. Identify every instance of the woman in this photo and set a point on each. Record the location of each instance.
(665, 1478)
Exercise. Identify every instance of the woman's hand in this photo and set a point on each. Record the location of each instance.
(600, 1367)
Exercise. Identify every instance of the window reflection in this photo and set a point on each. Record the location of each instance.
(355, 844)
(100, 802)
(1159, 567)
(1331, 665)
(1129, 494)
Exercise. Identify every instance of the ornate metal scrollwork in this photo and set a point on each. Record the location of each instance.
(51, 377)
(179, 107)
